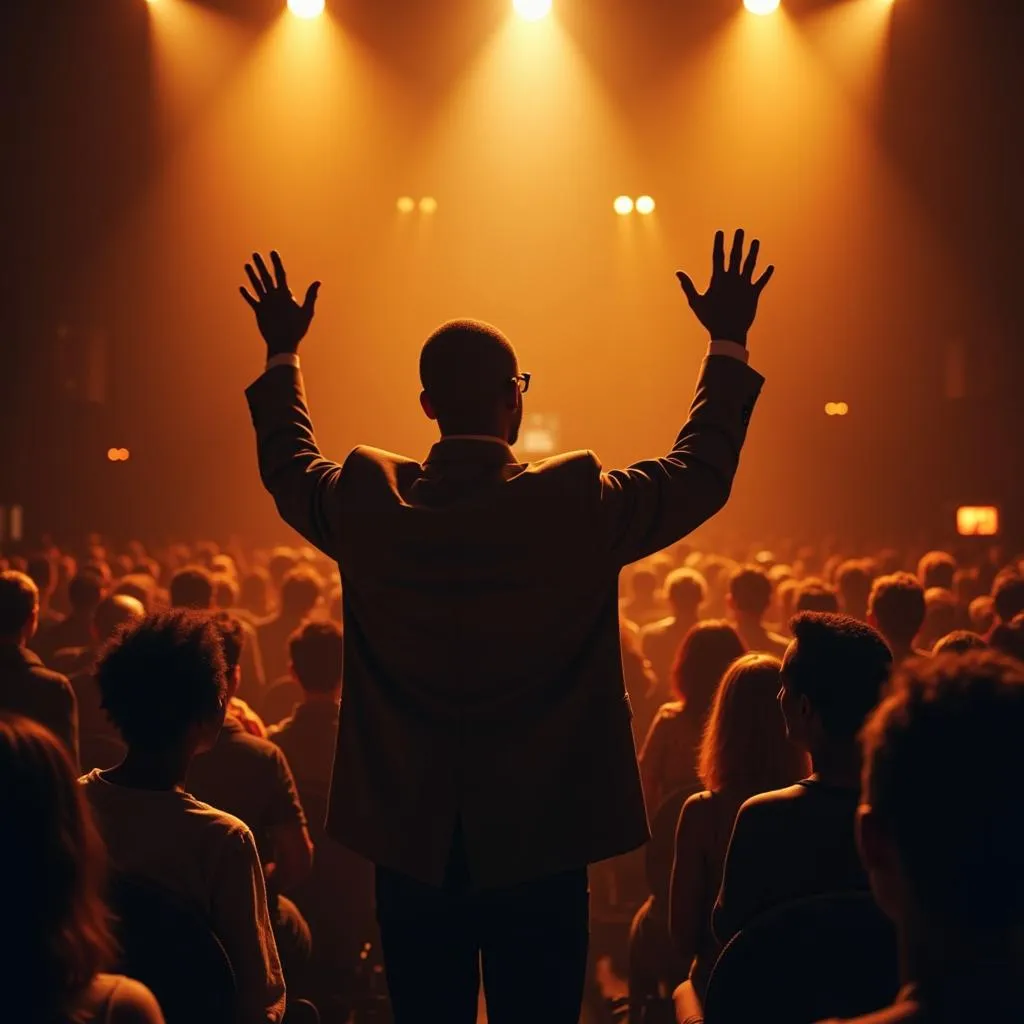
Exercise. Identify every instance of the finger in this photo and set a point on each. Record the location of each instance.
(309, 303)
(751, 260)
(257, 284)
(268, 281)
(763, 280)
(248, 298)
(736, 253)
(282, 278)
(718, 254)
(691, 293)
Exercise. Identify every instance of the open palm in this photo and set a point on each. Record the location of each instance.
(281, 320)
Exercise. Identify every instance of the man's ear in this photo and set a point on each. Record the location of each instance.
(427, 406)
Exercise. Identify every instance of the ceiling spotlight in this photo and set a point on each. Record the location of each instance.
(623, 206)
(645, 205)
(761, 6)
(532, 10)
(406, 204)
(306, 8)
(428, 204)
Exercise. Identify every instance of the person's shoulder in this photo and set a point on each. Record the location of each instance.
(280, 730)
(768, 805)
(132, 1003)
(657, 629)
(54, 681)
(213, 819)
(698, 808)
(365, 457)
(668, 712)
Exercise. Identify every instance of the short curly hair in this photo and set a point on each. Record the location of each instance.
(942, 768)
(897, 605)
(161, 676)
(317, 651)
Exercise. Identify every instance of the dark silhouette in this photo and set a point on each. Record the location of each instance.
(799, 842)
(301, 592)
(853, 581)
(163, 682)
(940, 833)
(1008, 595)
(40, 570)
(56, 933)
(896, 609)
(940, 616)
(85, 591)
(485, 754)
(814, 595)
(26, 686)
(645, 604)
(750, 594)
(959, 641)
(936, 569)
(685, 590)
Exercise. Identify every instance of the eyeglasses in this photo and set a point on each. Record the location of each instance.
(522, 381)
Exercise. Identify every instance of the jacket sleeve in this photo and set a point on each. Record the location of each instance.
(652, 504)
(305, 486)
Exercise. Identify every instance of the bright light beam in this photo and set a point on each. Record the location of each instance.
(306, 8)
(761, 6)
(532, 10)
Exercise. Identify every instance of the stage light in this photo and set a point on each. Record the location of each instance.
(406, 204)
(645, 205)
(977, 520)
(306, 8)
(761, 6)
(532, 10)
(428, 204)
(836, 408)
(623, 206)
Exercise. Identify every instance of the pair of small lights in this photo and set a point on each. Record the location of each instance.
(625, 205)
(428, 204)
(118, 454)
(836, 408)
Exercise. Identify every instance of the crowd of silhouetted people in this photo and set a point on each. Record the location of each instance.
(830, 752)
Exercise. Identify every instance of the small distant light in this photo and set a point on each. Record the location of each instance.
(428, 204)
(118, 454)
(306, 8)
(761, 6)
(623, 206)
(836, 408)
(532, 10)
(645, 205)
(406, 204)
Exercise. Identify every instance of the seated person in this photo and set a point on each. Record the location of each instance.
(309, 735)
(163, 685)
(26, 686)
(896, 609)
(53, 970)
(815, 595)
(799, 841)
(748, 599)
(85, 591)
(745, 751)
(939, 829)
(659, 641)
(301, 593)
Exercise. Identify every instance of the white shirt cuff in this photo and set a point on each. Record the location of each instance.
(283, 359)
(732, 349)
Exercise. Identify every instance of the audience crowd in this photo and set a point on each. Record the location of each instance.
(810, 726)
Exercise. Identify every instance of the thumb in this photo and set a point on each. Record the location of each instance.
(692, 295)
(309, 302)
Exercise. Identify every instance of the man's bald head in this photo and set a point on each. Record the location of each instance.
(113, 612)
(468, 370)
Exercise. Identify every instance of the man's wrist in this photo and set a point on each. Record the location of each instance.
(275, 359)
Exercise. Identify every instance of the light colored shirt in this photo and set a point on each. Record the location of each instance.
(208, 858)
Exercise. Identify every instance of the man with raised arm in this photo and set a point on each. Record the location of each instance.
(485, 755)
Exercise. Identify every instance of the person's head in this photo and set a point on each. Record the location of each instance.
(896, 608)
(750, 592)
(1008, 595)
(785, 598)
(853, 581)
(19, 607)
(959, 641)
(113, 612)
(163, 683)
(225, 591)
(814, 595)
(301, 590)
(745, 747)
(981, 613)
(939, 826)
(707, 650)
(85, 591)
(139, 587)
(53, 862)
(643, 584)
(282, 561)
(224, 565)
(232, 639)
(317, 652)
(936, 569)
(833, 674)
(39, 569)
(254, 592)
(471, 381)
(686, 591)
(192, 587)
(1008, 637)
(939, 615)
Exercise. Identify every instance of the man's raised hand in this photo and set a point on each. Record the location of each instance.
(281, 320)
(728, 307)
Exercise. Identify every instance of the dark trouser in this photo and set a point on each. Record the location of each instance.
(531, 940)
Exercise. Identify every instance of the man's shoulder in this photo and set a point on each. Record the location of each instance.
(657, 629)
(213, 819)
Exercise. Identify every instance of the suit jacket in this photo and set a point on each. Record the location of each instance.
(483, 679)
(28, 688)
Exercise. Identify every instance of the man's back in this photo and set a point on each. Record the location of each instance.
(787, 845)
(29, 688)
(308, 738)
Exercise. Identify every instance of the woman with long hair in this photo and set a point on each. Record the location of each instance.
(744, 752)
(668, 760)
(56, 930)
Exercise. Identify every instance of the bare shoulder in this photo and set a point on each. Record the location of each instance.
(767, 806)
(697, 812)
(132, 1003)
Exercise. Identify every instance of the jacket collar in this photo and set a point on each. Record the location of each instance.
(472, 449)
